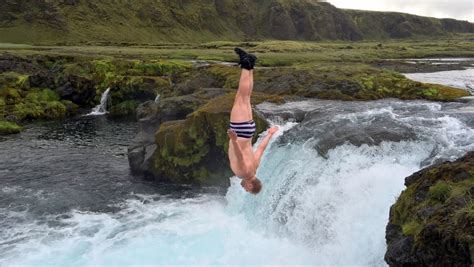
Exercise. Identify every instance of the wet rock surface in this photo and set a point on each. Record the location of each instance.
(432, 221)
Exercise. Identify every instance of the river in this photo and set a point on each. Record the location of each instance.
(330, 177)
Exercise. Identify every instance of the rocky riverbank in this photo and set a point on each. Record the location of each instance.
(432, 222)
(194, 101)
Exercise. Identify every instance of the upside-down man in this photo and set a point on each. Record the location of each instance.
(243, 160)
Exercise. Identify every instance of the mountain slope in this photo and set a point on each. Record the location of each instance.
(153, 21)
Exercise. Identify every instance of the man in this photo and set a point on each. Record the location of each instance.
(243, 160)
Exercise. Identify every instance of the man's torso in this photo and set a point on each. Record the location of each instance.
(244, 168)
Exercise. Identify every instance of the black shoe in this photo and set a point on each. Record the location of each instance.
(247, 61)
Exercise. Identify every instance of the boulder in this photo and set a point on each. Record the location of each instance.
(432, 222)
(79, 90)
(151, 114)
(194, 150)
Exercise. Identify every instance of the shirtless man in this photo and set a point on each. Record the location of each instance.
(243, 160)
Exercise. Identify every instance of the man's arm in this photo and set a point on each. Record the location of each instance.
(263, 145)
(233, 138)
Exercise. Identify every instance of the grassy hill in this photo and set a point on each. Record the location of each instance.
(158, 21)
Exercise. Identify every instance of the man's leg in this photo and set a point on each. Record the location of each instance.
(242, 110)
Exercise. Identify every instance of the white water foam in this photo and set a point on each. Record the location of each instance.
(183, 232)
(336, 206)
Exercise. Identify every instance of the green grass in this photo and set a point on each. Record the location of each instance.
(270, 53)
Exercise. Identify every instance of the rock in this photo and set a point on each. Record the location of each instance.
(77, 89)
(42, 80)
(146, 109)
(18, 64)
(149, 120)
(176, 108)
(194, 150)
(151, 115)
(432, 222)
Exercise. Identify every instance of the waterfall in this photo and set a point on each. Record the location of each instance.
(318, 207)
(101, 109)
(157, 98)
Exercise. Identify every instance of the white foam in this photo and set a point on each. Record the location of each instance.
(336, 206)
(190, 231)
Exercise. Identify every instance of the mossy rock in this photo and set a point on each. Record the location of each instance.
(194, 150)
(442, 93)
(10, 95)
(7, 127)
(2, 108)
(54, 110)
(432, 221)
(125, 108)
(38, 104)
(14, 80)
(71, 108)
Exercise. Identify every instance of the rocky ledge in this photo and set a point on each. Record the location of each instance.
(432, 222)
(193, 149)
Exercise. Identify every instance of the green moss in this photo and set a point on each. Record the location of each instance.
(461, 188)
(159, 68)
(401, 210)
(466, 215)
(71, 108)
(54, 110)
(440, 191)
(23, 82)
(225, 76)
(11, 96)
(2, 108)
(41, 95)
(125, 108)
(27, 110)
(411, 228)
(442, 93)
(9, 128)
(39, 104)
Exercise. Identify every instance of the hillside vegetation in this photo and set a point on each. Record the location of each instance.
(158, 21)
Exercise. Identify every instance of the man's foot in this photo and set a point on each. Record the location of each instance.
(247, 61)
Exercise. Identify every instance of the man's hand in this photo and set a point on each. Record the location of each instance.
(232, 135)
(273, 130)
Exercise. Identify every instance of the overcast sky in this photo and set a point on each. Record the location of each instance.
(457, 9)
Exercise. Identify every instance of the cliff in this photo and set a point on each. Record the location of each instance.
(158, 21)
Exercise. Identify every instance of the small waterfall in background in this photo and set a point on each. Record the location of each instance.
(157, 98)
(101, 109)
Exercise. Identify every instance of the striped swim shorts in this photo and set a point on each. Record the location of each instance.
(243, 129)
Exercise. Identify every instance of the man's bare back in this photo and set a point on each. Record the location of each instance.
(243, 160)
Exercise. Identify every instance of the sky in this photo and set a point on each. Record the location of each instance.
(456, 9)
